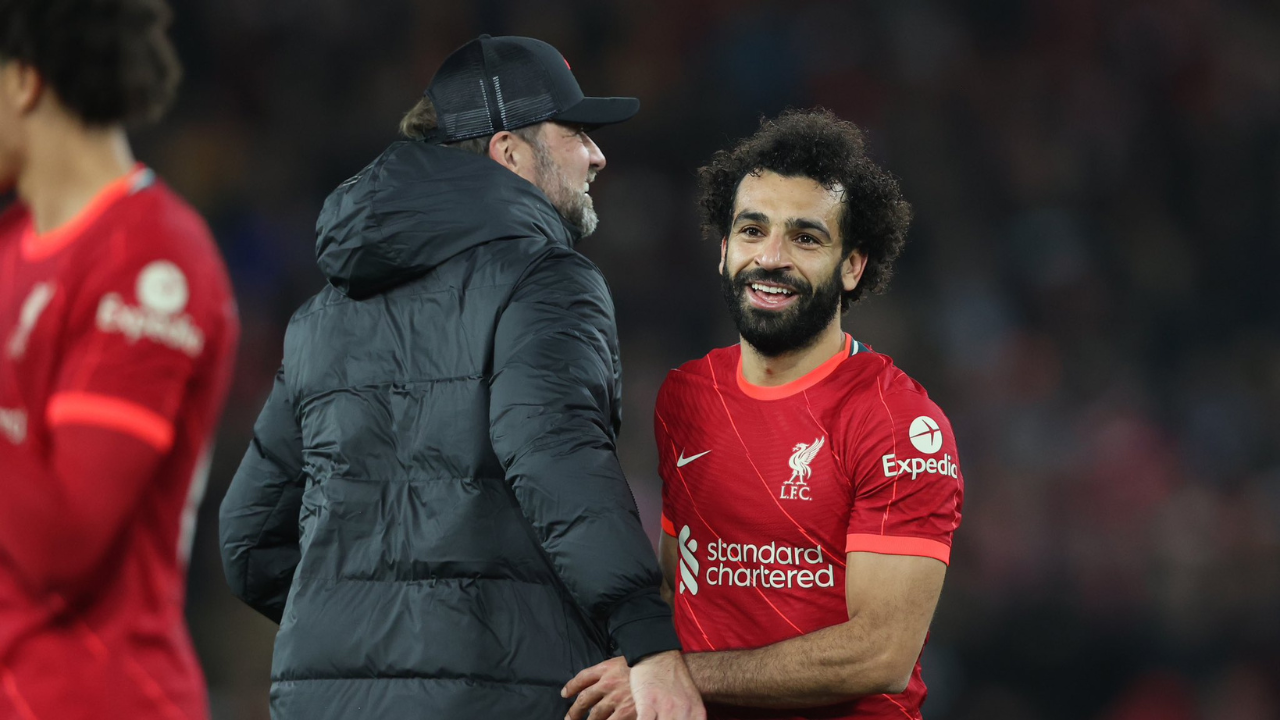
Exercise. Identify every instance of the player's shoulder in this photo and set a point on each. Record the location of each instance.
(161, 221)
(704, 372)
(154, 232)
(872, 379)
(153, 264)
(710, 365)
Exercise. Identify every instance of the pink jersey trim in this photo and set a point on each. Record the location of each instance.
(668, 527)
(799, 385)
(894, 545)
(38, 247)
(110, 413)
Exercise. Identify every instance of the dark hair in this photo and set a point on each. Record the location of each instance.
(816, 144)
(421, 119)
(108, 61)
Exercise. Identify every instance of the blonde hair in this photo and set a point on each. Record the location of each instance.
(421, 121)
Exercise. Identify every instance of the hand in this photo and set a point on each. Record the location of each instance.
(663, 689)
(603, 690)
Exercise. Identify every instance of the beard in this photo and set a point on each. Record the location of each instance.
(565, 195)
(777, 332)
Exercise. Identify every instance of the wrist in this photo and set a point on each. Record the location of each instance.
(641, 626)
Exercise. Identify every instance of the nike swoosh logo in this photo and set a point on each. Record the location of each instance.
(686, 460)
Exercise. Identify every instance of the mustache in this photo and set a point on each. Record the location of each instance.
(778, 277)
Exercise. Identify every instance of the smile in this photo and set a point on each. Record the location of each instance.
(771, 289)
(767, 296)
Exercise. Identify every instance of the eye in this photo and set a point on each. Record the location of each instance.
(806, 239)
(752, 231)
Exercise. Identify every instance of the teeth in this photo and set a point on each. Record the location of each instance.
(770, 289)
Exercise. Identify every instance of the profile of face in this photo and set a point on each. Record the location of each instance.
(566, 161)
(782, 268)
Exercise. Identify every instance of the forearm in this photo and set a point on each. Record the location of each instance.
(831, 665)
(28, 516)
(57, 519)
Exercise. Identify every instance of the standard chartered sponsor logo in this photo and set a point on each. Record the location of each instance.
(771, 565)
(688, 562)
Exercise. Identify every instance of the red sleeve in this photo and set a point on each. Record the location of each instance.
(908, 489)
(666, 460)
(136, 337)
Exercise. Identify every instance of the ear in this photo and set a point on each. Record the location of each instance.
(515, 154)
(502, 150)
(22, 85)
(851, 270)
(724, 247)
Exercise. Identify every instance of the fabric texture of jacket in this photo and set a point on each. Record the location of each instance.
(431, 506)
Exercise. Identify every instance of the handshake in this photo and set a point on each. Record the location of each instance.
(657, 688)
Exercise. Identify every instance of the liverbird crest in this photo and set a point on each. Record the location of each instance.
(802, 455)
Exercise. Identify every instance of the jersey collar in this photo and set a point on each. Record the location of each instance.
(36, 247)
(800, 384)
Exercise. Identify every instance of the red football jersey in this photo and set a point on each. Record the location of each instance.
(767, 489)
(117, 336)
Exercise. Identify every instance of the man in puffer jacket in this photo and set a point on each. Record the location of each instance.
(431, 506)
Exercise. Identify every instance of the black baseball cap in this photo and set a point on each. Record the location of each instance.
(503, 83)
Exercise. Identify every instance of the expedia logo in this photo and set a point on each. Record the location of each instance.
(162, 294)
(134, 323)
(916, 467)
(770, 565)
(926, 436)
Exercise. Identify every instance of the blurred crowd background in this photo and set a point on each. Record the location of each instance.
(1085, 291)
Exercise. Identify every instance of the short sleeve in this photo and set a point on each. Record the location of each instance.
(908, 489)
(142, 325)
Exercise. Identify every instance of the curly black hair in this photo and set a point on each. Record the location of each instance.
(108, 61)
(818, 145)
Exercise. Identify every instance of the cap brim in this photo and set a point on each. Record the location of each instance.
(597, 111)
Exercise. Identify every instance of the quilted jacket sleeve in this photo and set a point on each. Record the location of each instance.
(258, 520)
(552, 423)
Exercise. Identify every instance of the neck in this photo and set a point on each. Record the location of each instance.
(773, 371)
(67, 164)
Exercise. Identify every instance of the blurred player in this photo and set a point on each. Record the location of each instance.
(810, 487)
(117, 331)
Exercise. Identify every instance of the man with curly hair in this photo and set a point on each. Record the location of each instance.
(811, 488)
(117, 336)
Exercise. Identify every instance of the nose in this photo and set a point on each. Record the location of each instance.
(595, 156)
(771, 253)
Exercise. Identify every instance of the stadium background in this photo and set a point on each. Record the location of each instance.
(1085, 291)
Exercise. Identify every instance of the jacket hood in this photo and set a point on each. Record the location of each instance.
(416, 206)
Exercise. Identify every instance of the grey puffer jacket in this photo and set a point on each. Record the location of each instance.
(431, 506)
